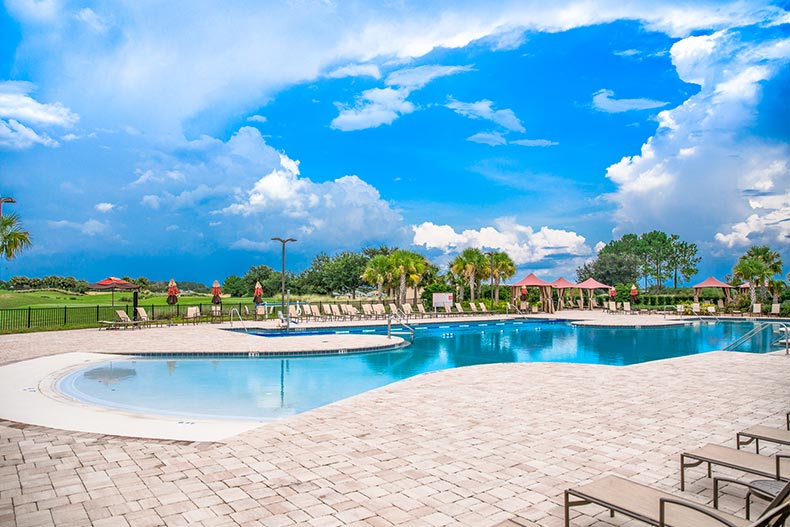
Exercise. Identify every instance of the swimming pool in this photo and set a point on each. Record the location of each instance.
(263, 389)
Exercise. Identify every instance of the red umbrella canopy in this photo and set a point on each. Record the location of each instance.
(531, 281)
(561, 283)
(113, 282)
(258, 289)
(592, 283)
(215, 289)
(713, 282)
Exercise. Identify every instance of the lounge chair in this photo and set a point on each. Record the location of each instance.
(681, 309)
(316, 310)
(758, 433)
(695, 309)
(656, 507)
(472, 307)
(711, 310)
(326, 311)
(379, 310)
(720, 304)
(126, 321)
(367, 310)
(757, 309)
(336, 313)
(627, 308)
(353, 312)
(448, 309)
(260, 312)
(776, 467)
(407, 310)
(423, 313)
(612, 307)
(775, 310)
(483, 308)
(216, 313)
(460, 309)
(766, 489)
(144, 319)
(192, 315)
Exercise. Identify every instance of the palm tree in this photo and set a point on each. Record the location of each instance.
(13, 240)
(772, 264)
(458, 271)
(776, 288)
(502, 268)
(378, 272)
(475, 267)
(418, 271)
(749, 269)
(406, 267)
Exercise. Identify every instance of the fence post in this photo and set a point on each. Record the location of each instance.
(28, 316)
(97, 312)
(64, 315)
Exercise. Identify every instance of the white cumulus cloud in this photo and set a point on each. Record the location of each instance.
(104, 207)
(373, 108)
(355, 70)
(22, 118)
(488, 138)
(521, 242)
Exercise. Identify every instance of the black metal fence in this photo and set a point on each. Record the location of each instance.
(43, 318)
(25, 318)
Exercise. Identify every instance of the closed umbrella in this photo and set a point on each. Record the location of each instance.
(257, 296)
(172, 293)
(216, 293)
(634, 292)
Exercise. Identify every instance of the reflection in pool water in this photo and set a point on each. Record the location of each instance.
(270, 388)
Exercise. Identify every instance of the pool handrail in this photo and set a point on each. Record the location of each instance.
(230, 319)
(396, 315)
(759, 328)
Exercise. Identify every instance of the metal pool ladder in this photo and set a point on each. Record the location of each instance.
(230, 318)
(399, 318)
(762, 326)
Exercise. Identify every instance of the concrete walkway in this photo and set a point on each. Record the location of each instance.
(471, 446)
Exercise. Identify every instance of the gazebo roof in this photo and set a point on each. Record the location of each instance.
(712, 282)
(561, 283)
(531, 281)
(592, 283)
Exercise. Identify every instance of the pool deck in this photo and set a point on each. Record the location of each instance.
(474, 446)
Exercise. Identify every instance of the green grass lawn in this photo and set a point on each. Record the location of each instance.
(19, 299)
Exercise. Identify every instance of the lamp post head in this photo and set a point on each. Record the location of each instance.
(284, 241)
(7, 200)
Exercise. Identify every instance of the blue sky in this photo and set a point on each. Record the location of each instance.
(175, 141)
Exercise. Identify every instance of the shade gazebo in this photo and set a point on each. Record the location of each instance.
(561, 284)
(591, 284)
(545, 290)
(712, 282)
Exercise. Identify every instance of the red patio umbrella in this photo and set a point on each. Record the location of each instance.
(257, 295)
(112, 283)
(216, 293)
(172, 293)
(633, 293)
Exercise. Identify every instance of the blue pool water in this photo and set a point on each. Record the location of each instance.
(263, 389)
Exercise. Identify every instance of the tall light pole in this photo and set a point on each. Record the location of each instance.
(5, 200)
(282, 299)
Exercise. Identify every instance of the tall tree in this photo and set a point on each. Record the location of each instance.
(502, 268)
(344, 272)
(474, 266)
(682, 260)
(13, 239)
